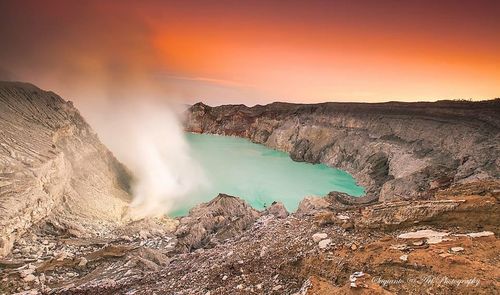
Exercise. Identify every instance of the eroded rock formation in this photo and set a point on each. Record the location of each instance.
(53, 167)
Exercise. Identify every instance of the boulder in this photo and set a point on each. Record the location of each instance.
(222, 218)
(277, 209)
(312, 205)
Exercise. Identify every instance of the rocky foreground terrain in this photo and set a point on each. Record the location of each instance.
(429, 224)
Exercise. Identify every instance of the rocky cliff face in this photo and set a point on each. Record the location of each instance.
(395, 150)
(53, 168)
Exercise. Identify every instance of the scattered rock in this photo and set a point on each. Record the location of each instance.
(400, 247)
(319, 236)
(457, 249)
(29, 278)
(354, 277)
(418, 243)
(403, 258)
(82, 262)
(143, 234)
(325, 218)
(347, 225)
(324, 243)
(343, 217)
(277, 209)
(311, 205)
(263, 251)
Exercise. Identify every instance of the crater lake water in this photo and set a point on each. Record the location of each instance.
(259, 175)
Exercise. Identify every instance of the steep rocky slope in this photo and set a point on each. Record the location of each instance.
(395, 150)
(53, 168)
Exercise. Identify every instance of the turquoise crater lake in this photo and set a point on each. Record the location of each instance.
(260, 175)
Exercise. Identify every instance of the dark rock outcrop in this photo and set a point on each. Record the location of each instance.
(397, 151)
(222, 218)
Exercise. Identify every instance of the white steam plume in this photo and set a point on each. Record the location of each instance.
(149, 140)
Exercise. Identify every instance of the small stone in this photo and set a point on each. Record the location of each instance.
(45, 242)
(239, 287)
(143, 234)
(342, 217)
(353, 278)
(127, 238)
(263, 251)
(400, 247)
(354, 247)
(224, 278)
(347, 225)
(83, 262)
(259, 286)
(29, 278)
(418, 243)
(319, 236)
(278, 287)
(324, 243)
(26, 272)
(207, 293)
(434, 240)
(457, 249)
(444, 255)
(403, 258)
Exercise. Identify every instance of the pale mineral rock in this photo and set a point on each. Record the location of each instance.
(324, 243)
(319, 236)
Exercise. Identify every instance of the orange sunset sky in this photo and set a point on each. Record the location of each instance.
(254, 51)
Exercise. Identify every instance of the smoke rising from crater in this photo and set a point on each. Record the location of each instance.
(148, 139)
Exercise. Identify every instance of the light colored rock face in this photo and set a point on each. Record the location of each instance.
(395, 150)
(53, 167)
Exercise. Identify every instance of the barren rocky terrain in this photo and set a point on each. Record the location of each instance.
(428, 225)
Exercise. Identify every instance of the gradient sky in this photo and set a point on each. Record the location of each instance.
(254, 51)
